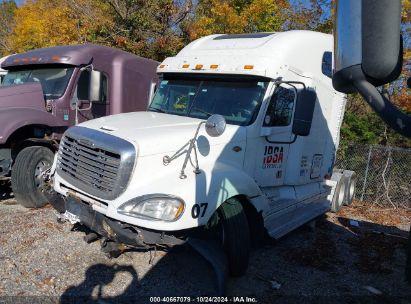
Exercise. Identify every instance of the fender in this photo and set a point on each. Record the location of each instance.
(230, 181)
(213, 186)
(15, 118)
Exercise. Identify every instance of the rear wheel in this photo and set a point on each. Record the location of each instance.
(339, 192)
(27, 173)
(351, 179)
(234, 235)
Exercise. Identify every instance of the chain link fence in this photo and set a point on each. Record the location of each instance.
(383, 173)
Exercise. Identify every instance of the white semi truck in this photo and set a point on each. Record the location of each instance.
(240, 137)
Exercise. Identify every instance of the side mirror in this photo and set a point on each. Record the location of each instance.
(95, 86)
(367, 36)
(304, 111)
(368, 53)
(215, 125)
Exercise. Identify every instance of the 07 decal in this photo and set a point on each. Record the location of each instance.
(199, 210)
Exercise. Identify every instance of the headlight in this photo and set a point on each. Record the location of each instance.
(159, 207)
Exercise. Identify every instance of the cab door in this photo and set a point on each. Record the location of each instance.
(87, 109)
(275, 137)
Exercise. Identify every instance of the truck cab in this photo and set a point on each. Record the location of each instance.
(45, 91)
(239, 138)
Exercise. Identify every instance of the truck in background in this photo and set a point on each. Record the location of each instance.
(240, 138)
(45, 91)
(2, 72)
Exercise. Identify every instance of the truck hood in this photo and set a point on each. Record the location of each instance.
(28, 95)
(156, 133)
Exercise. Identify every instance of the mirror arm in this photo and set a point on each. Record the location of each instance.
(277, 82)
(191, 146)
(388, 112)
(282, 142)
(89, 67)
(89, 108)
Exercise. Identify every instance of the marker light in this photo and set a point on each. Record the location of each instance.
(162, 66)
(185, 66)
(199, 66)
(248, 67)
(214, 66)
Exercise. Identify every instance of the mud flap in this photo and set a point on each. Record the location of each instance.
(212, 251)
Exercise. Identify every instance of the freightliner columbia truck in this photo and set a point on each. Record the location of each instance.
(240, 138)
(45, 91)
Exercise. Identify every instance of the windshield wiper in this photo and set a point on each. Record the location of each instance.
(156, 109)
(200, 110)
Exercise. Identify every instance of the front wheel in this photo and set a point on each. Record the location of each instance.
(234, 235)
(27, 179)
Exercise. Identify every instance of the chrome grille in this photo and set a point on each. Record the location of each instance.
(94, 162)
(95, 167)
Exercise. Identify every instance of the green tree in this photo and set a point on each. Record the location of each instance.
(149, 28)
(7, 9)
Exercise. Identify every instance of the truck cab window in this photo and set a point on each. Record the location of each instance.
(280, 110)
(104, 88)
(237, 100)
(53, 81)
(326, 66)
(83, 85)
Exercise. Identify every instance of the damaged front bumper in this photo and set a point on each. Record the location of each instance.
(75, 210)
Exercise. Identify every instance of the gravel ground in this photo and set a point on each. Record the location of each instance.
(43, 261)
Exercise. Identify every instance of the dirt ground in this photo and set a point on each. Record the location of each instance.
(335, 262)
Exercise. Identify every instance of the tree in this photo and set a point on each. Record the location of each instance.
(149, 28)
(231, 17)
(44, 23)
(7, 9)
(315, 15)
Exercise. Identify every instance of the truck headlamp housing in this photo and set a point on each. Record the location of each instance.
(157, 207)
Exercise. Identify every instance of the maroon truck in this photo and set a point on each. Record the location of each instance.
(48, 90)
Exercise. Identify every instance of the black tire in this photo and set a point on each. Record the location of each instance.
(27, 190)
(235, 236)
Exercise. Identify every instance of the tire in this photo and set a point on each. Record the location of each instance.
(30, 162)
(350, 184)
(234, 236)
(339, 192)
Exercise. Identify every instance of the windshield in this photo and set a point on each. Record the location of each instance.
(53, 80)
(236, 99)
